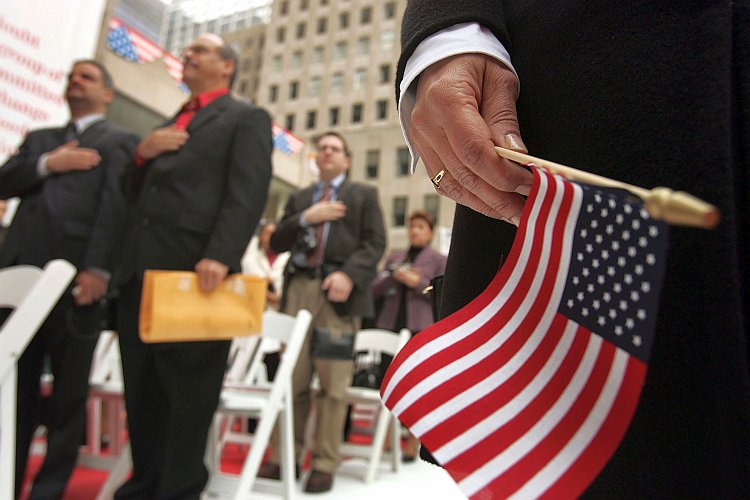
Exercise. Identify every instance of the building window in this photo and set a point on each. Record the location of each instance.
(343, 20)
(363, 45)
(301, 27)
(317, 55)
(276, 63)
(432, 205)
(365, 15)
(293, 89)
(389, 10)
(211, 27)
(357, 113)
(337, 83)
(313, 86)
(381, 109)
(339, 50)
(281, 34)
(247, 64)
(273, 93)
(386, 40)
(333, 116)
(372, 163)
(360, 79)
(297, 59)
(284, 8)
(249, 42)
(384, 73)
(243, 87)
(399, 211)
(402, 162)
(311, 119)
(303, 4)
(289, 122)
(322, 25)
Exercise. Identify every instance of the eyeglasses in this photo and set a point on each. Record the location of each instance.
(325, 147)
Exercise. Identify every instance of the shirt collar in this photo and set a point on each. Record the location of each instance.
(84, 122)
(335, 183)
(204, 99)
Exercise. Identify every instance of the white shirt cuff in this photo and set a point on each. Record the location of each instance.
(459, 39)
(41, 165)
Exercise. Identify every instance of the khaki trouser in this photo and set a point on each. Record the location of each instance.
(335, 376)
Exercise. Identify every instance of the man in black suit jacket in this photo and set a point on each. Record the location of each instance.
(198, 187)
(652, 97)
(343, 221)
(71, 208)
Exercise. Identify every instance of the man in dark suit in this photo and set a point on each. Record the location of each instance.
(334, 230)
(652, 97)
(198, 187)
(71, 208)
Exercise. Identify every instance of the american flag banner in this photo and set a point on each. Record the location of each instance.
(285, 141)
(527, 391)
(131, 45)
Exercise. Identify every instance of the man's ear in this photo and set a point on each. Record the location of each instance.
(109, 95)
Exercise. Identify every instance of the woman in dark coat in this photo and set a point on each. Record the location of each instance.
(652, 95)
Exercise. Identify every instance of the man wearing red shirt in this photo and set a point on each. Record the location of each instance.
(198, 186)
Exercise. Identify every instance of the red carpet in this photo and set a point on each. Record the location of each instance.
(85, 483)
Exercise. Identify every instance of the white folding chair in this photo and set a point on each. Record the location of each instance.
(265, 401)
(374, 341)
(246, 368)
(105, 391)
(31, 293)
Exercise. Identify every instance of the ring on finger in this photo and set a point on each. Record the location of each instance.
(438, 177)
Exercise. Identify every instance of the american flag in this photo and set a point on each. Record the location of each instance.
(130, 44)
(528, 390)
(285, 141)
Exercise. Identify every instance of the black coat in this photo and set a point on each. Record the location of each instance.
(355, 243)
(204, 200)
(652, 95)
(76, 216)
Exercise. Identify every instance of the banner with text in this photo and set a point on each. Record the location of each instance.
(39, 40)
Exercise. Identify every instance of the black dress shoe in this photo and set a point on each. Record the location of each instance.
(270, 470)
(319, 482)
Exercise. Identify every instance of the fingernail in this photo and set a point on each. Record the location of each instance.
(513, 141)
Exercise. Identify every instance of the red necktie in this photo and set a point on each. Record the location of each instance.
(317, 254)
(187, 114)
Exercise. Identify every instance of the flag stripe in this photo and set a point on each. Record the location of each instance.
(537, 321)
(427, 347)
(513, 418)
(541, 429)
(591, 460)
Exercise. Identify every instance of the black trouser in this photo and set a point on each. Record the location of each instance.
(68, 337)
(171, 393)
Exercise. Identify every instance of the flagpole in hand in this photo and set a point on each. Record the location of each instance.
(675, 207)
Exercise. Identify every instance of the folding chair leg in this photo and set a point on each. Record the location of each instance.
(117, 475)
(253, 459)
(287, 445)
(8, 434)
(378, 438)
(396, 443)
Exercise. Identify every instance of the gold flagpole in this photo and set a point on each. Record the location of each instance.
(675, 207)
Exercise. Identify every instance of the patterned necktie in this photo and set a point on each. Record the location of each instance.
(316, 256)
